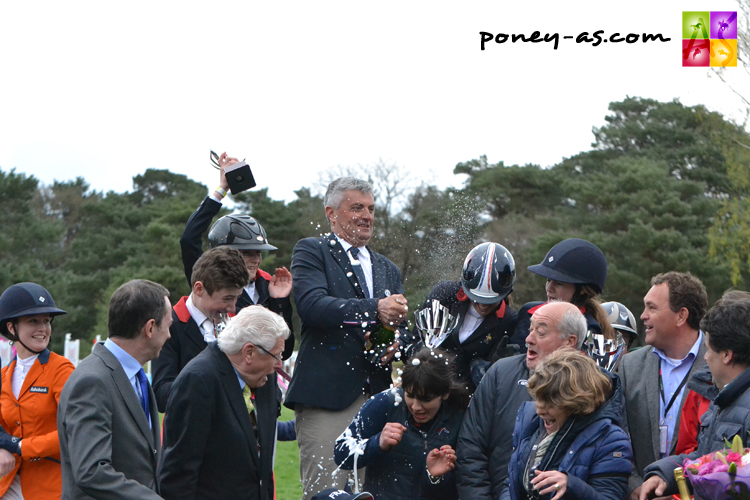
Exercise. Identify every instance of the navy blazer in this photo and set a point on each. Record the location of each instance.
(210, 448)
(332, 369)
(185, 342)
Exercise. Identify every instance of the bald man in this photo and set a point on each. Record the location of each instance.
(486, 439)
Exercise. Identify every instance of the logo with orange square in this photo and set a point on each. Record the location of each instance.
(709, 38)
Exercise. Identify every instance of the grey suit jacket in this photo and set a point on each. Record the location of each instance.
(106, 447)
(639, 373)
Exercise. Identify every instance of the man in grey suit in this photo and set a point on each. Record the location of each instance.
(654, 377)
(107, 418)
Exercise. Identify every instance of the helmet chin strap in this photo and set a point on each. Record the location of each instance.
(18, 339)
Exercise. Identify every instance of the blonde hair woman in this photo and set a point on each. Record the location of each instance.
(568, 441)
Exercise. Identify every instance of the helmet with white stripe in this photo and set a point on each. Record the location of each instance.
(488, 274)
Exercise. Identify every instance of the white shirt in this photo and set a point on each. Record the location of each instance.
(364, 261)
(252, 292)
(472, 320)
(19, 374)
(204, 323)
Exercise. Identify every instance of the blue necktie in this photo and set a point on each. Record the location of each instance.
(359, 272)
(143, 382)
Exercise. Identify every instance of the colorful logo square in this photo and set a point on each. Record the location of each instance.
(696, 52)
(724, 53)
(723, 25)
(709, 38)
(694, 24)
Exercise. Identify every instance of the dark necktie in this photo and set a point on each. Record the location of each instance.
(143, 382)
(359, 272)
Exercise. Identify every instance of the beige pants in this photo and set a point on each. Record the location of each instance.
(317, 430)
(14, 490)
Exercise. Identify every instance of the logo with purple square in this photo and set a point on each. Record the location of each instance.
(709, 38)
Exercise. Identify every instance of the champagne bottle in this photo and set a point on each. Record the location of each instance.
(380, 339)
(681, 484)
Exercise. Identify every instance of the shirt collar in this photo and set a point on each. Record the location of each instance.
(128, 362)
(346, 245)
(242, 382)
(691, 355)
(196, 314)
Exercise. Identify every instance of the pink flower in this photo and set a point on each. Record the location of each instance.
(734, 457)
(706, 468)
(721, 468)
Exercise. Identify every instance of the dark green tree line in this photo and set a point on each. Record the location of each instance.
(664, 187)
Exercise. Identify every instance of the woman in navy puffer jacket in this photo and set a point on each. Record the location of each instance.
(567, 444)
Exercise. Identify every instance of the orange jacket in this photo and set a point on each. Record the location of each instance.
(33, 418)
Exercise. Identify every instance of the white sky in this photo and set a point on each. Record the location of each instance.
(104, 90)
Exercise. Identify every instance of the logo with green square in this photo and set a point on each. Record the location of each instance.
(709, 38)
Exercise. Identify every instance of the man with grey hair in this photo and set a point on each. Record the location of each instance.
(220, 423)
(485, 442)
(344, 292)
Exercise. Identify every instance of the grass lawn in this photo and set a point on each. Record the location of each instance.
(288, 485)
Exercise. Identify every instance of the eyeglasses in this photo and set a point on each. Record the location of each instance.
(269, 353)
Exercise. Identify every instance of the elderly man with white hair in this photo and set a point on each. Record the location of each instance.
(220, 423)
(485, 442)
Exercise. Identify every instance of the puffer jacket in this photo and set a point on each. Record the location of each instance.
(485, 442)
(702, 392)
(592, 450)
(399, 473)
(728, 416)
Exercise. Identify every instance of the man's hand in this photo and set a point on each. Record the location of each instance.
(224, 162)
(391, 435)
(651, 487)
(389, 353)
(281, 283)
(392, 310)
(7, 462)
(441, 461)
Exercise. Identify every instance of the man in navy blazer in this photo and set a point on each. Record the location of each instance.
(220, 422)
(344, 291)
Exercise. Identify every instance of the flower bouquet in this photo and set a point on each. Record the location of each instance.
(723, 475)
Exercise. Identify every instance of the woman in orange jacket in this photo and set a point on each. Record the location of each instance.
(31, 386)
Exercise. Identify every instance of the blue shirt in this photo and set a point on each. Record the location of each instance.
(672, 375)
(242, 382)
(130, 366)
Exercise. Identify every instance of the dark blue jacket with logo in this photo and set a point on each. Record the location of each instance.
(399, 473)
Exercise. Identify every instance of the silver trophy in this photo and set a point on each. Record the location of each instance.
(220, 325)
(606, 353)
(435, 322)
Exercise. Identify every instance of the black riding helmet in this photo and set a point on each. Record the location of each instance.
(488, 274)
(238, 231)
(574, 261)
(25, 299)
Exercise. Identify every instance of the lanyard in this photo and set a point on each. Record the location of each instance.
(674, 396)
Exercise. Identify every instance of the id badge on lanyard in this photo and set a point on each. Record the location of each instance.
(663, 433)
(663, 439)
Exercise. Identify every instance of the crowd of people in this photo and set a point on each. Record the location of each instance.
(551, 401)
